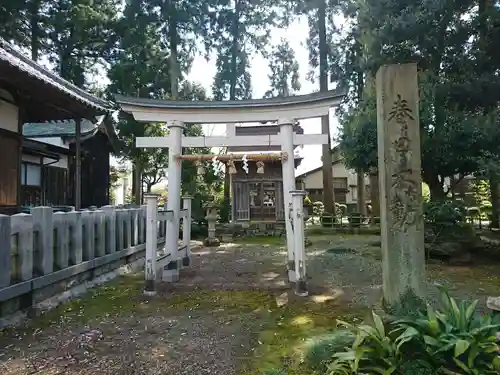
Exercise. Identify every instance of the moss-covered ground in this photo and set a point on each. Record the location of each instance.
(222, 302)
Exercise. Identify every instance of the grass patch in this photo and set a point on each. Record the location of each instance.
(285, 337)
(260, 240)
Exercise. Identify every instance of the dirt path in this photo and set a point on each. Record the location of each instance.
(204, 324)
(221, 315)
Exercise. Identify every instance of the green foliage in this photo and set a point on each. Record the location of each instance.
(417, 367)
(375, 350)
(426, 193)
(445, 212)
(458, 131)
(319, 350)
(284, 77)
(455, 339)
(482, 194)
(240, 28)
(358, 139)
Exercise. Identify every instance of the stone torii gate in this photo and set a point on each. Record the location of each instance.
(283, 110)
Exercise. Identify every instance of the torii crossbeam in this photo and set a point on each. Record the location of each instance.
(283, 110)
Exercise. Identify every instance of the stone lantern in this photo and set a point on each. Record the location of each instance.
(212, 217)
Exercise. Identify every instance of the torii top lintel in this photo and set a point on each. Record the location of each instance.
(231, 111)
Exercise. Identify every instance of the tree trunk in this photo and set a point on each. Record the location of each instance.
(232, 95)
(361, 192)
(137, 184)
(495, 209)
(328, 192)
(173, 39)
(435, 188)
(35, 29)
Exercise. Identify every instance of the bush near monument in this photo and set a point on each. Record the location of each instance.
(455, 339)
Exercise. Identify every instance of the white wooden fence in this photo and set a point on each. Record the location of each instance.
(44, 248)
(166, 265)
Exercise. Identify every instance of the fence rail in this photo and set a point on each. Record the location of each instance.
(46, 247)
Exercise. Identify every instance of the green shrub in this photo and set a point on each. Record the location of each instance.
(199, 229)
(417, 367)
(455, 340)
(319, 350)
(445, 212)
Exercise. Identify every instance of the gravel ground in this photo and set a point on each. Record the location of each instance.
(214, 324)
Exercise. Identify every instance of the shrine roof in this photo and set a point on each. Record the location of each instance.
(63, 128)
(233, 104)
(20, 71)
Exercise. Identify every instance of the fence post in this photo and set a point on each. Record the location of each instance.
(22, 225)
(119, 229)
(110, 213)
(76, 237)
(134, 222)
(151, 242)
(62, 240)
(299, 242)
(186, 230)
(43, 225)
(127, 228)
(142, 224)
(5, 251)
(88, 235)
(100, 233)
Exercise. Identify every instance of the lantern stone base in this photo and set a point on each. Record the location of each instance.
(171, 272)
(211, 242)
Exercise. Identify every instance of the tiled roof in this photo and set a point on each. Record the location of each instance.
(66, 128)
(18, 60)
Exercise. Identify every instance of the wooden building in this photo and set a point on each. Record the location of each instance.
(52, 176)
(345, 183)
(32, 94)
(258, 197)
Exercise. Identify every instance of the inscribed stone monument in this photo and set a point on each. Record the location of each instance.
(402, 226)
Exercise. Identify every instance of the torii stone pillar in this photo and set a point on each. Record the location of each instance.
(286, 135)
(174, 196)
(402, 225)
(299, 242)
(151, 240)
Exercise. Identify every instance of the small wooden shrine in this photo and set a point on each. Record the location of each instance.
(257, 195)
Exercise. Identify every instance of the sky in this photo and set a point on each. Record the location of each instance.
(203, 72)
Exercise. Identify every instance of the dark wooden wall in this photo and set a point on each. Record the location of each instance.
(9, 171)
(95, 171)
